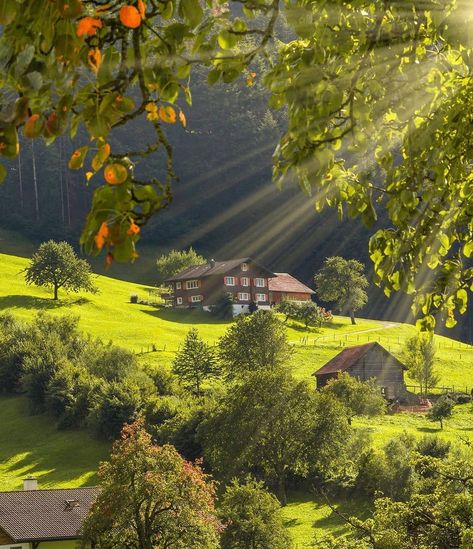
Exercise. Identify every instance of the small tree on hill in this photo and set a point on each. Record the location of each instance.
(288, 308)
(253, 518)
(175, 261)
(342, 281)
(310, 314)
(195, 362)
(441, 410)
(419, 357)
(55, 265)
(361, 398)
(150, 497)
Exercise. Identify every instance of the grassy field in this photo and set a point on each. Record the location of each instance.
(31, 444)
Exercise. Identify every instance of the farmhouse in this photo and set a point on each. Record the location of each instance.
(43, 519)
(285, 287)
(364, 362)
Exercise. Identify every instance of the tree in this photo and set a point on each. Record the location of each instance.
(195, 362)
(150, 497)
(419, 357)
(176, 261)
(255, 342)
(288, 308)
(223, 309)
(441, 410)
(310, 314)
(275, 424)
(55, 265)
(252, 518)
(361, 398)
(342, 281)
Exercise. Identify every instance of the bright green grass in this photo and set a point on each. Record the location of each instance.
(31, 445)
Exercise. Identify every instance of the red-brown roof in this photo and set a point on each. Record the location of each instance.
(40, 515)
(345, 359)
(284, 282)
(214, 268)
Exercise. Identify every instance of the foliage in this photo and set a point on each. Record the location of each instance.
(288, 308)
(196, 362)
(433, 446)
(275, 424)
(149, 496)
(252, 517)
(361, 398)
(223, 308)
(255, 342)
(55, 265)
(342, 281)
(441, 410)
(307, 312)
(176, 261)
(419, 357)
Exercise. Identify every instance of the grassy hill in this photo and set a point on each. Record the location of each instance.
(70, 458)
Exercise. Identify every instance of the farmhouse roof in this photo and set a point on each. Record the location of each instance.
(284, 282)
(41, 515)
(214, 268)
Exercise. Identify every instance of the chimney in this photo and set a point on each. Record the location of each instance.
(212, 263)
(30, 483)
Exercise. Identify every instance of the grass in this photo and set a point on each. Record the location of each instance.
(32, 444)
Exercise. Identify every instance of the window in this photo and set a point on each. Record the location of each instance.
(179, 300)
(260, 297)
(192, 284)
(259, 282)
(229, 281)
(196, 298)
(244, 266)
(245, 281)
(178, 285)
(244, 296)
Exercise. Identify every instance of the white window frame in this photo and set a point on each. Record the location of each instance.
(179, 300)
(245, 281)
(259, 296)
(241, 298)
(178, 285)
(244, 266)
(226, 280)
(196, 298)
(192, 284)
(259, 283)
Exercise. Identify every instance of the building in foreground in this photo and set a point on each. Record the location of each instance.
(43, 519)
(367, 361)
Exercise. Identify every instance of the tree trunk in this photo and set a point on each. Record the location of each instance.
(441, 423)
(282, 488)
(35, 182)
(20, 181)
(55, 292)
(352, 316)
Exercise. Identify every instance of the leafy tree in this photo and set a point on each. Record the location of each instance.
(288, 308)
(342, 281)
(252, 517)
(419, 357)
(195, 362)
(55, 265)
(441, 410)
(275, 424)
(310, 314)
(13, 335)
(150, 497)
(255, 342)
(223, 309)
(361, 398)
(176, 261)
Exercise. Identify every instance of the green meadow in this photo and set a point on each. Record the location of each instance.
(31, 444)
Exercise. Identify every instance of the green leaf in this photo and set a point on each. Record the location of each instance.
(468, 248)
(192, 12)
(227, 40)
(3, 173)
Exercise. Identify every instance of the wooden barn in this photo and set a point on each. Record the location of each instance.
(364, 362)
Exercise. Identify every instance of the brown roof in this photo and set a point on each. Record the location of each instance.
(217, 268)
(41, 515)
(284, 282)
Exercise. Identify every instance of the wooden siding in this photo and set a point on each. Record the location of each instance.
(277, 297)
(5, 539)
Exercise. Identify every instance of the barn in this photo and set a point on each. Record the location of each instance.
(367, 361)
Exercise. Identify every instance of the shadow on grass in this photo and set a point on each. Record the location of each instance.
(429, 429)
(34, 302)
(184, 316)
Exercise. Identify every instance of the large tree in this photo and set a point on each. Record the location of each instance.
(150, 497)
(177, 260)
(342, 281)
(419, 357)
(55, 265)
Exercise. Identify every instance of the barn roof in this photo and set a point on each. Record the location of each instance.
(284, 282)
(214, 268)
(348, 357)
(41, 515)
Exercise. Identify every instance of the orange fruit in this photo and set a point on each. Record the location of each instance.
(115, 174)
(130, 17)
(88, 26)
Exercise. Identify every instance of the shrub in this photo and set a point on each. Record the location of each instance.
(134, 298)
(433, 446)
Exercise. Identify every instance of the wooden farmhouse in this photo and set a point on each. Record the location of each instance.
(201, 286)
(43, 519)
(364, 362)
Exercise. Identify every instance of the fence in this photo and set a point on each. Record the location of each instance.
(435, 390)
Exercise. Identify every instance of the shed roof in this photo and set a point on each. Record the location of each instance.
(41, 515)
(215, 268)
(349, 356)
(284, 282)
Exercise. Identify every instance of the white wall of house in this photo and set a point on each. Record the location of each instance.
(16, 546)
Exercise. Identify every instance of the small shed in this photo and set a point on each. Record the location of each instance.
(367, 361)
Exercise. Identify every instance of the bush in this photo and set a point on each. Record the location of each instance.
(433, 446)
(134, 298)
(223, 309)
